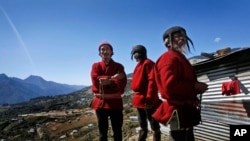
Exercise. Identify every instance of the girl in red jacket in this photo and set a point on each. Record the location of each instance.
(178, 86)
(145, 97)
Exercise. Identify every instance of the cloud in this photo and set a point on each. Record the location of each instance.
(217, 40)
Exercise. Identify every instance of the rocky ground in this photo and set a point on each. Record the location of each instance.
(150, 138)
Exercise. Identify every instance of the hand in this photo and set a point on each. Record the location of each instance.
(104, 81)
(201, 87)
(118, 76)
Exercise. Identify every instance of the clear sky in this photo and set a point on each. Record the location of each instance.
(58, 39)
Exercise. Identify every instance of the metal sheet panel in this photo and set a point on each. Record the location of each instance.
(220, 111)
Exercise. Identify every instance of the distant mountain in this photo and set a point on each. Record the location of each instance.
(39, 111)
(129, 76)
(14, 90)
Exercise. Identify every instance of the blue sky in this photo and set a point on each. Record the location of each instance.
(58, 39)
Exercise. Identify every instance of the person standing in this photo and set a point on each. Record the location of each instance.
(108, 84)
(178, 86)
(145, 97)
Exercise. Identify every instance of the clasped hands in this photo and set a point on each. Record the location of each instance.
(107, 81)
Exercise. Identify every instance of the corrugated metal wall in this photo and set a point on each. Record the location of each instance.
(220, 111)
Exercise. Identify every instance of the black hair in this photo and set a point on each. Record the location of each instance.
(140, 51)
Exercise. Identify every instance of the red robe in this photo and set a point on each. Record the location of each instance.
(101, 70)
(144, 86)
(175, 78)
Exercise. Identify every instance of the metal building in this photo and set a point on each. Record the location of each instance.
(220, 111)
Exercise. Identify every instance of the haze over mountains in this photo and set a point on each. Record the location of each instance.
(14, 90)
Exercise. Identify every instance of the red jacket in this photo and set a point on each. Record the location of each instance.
(144, 86)
(175, 78)
(110, 101)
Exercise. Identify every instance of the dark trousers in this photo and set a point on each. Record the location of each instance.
(181, 135)
(177, 134)
(145, 115)
(116, 118)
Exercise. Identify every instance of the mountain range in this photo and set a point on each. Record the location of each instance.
(14, 90)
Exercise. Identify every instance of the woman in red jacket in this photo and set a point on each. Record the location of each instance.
(108, 84)
(178, 86)
(145, 97)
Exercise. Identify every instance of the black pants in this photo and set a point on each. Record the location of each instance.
(177, 134)
(116, 118)
(145, 115)
(182, 135)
